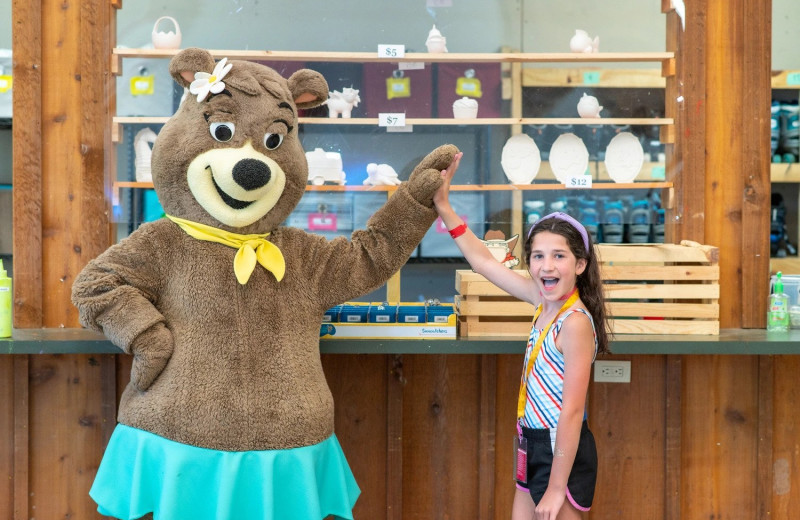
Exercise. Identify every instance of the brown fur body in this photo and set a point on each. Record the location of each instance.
(219, 364)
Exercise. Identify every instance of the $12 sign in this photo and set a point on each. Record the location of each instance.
(578, 181)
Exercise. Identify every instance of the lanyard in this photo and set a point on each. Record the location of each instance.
(537, 347)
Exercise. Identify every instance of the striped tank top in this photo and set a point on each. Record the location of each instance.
(545, 385)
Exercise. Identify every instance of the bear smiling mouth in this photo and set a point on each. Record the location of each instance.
(227, 199)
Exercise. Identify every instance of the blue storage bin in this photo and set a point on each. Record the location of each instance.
(439, 313)
(411, 314)
(382, 313)
(332, 314)
(353, 313)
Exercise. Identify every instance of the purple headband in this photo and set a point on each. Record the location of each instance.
(566, 218)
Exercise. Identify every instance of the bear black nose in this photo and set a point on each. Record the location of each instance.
(251, 174)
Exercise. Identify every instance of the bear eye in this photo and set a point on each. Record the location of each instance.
(272, 141)
(222, 132)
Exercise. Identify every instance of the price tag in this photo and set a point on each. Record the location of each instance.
(400, 129)
(793, 78)
(391, 51)
(390, 119)
(411, 65)
(579, 181)
(591, 78)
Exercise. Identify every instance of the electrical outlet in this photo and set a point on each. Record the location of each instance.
(612, 371)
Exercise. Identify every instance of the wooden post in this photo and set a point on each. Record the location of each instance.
(720, 160)
(60, 222)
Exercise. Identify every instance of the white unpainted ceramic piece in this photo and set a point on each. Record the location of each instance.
(624, 157)
(568, 157)
(520, 159)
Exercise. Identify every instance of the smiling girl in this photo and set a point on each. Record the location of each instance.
(555, 450)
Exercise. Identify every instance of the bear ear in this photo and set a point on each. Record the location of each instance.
(184, 65)
(309, 89)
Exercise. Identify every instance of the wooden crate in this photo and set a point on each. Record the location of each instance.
(650, 289)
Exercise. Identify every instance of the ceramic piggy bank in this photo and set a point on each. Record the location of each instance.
(169, 39)
(581, 42)
(589, 107)
(342, 102)
(436, 42)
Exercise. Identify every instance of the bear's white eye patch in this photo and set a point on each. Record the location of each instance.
(222, 132)
(272, 141)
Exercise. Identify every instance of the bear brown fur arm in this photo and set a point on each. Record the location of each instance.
(115, 292)
(349, 269)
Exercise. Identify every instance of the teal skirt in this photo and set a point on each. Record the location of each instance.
(143, 473)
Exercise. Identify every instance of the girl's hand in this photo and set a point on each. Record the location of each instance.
(549, 506)
(441, 197)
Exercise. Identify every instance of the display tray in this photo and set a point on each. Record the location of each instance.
(381, 320)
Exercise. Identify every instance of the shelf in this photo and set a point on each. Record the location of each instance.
(785, 172)
(551, 186)
(787, 265)
(786, 79)
(593, 78)
(118, 121)
(729, 341)
(666, 59)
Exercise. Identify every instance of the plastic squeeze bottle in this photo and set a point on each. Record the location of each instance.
(5, 303)
(778, 312)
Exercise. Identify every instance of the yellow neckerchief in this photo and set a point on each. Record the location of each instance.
(252, 248)
(523, 387)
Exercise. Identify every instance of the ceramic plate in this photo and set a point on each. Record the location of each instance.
(624, 157)
(568, 157)
(520, 159)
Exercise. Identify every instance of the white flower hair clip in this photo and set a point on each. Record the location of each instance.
(205, 83)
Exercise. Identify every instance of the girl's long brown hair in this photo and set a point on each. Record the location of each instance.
(589, 283)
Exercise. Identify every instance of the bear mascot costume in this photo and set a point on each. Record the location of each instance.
(228, 414)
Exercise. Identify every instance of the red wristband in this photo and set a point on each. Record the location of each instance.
(458, 230)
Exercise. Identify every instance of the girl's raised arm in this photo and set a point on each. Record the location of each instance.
(474, 250)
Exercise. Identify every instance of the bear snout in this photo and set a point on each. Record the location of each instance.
(251, 174)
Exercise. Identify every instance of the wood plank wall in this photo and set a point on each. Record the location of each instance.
(431, 410)
(427, 436)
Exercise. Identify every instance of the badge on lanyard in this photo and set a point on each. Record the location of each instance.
(521, 459)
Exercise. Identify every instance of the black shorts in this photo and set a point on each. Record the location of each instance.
(582, 478)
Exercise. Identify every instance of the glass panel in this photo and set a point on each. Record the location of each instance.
(429, 97)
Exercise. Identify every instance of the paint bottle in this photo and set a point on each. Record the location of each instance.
(5, 303)
(778, 312)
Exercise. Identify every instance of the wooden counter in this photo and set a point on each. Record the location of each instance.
(730, 341)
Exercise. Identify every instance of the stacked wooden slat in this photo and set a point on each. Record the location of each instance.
(649, 288)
